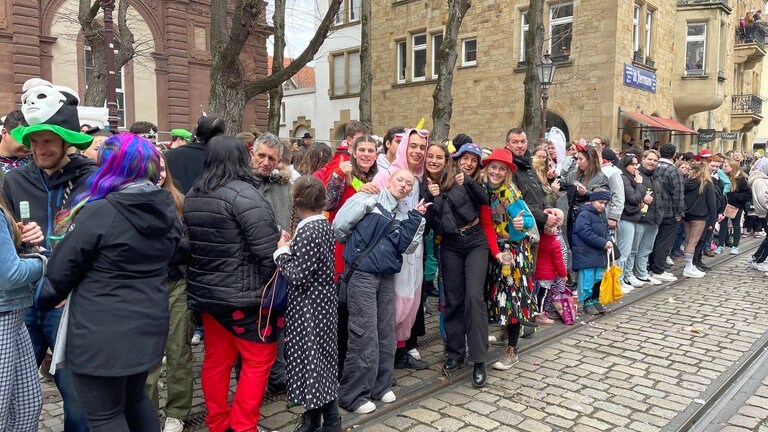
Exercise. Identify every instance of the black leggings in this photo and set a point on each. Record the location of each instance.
(513, 333)
(328, 412)
(736, 222)
(116, 404)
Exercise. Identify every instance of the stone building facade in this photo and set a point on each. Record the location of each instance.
(622, 68)
(166, 83)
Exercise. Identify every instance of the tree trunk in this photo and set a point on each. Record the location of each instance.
(366, 75)
(96, 87)
(442, 98)
(534, 42)
(276, 94)
(229, 91)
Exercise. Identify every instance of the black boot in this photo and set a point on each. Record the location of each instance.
(310, 422)
(479, 375)
(403, 360)
(336, 427)
(697, 254)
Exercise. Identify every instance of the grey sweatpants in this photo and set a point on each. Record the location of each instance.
(370, 363)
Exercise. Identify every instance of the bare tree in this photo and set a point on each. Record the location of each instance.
(534, 40)
(366, 75)
(96, 91)
(442, 107)
(276, 94)
(230, 89)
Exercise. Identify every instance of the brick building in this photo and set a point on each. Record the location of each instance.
(656, 69)
(166, 83)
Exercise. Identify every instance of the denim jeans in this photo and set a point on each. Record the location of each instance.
(625, 237)
(645, 235)
(42, 327)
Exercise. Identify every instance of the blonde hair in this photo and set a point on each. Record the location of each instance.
(700, 172)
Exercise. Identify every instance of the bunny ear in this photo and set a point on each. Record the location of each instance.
(583, 142)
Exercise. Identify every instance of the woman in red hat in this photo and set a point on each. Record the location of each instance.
(510, 282)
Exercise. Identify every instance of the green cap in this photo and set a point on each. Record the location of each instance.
(181, 133)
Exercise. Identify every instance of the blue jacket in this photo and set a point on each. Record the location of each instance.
(590, 234)
(363, 218)
(15, 273)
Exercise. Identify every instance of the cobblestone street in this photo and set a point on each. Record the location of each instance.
(639, 368)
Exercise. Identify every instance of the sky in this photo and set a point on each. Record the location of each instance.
(300, 22)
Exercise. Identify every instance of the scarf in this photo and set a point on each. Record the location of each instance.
(501, 198)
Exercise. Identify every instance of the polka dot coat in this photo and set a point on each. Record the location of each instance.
(311, 349)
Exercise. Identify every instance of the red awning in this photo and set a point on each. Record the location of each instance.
(655, 122)
(674, 125)
(644, 119)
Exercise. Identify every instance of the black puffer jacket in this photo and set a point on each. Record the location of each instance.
(634, 193)
(232, 235)
(459, 206)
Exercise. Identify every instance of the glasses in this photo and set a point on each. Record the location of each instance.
(522, 141)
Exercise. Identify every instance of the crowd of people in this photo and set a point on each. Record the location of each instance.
(110, 238)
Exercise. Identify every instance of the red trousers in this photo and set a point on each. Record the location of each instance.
(221, 350)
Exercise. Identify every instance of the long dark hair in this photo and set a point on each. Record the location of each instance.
(315, 158)
(226, 160)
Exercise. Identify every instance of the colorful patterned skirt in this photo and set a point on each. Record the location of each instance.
(510, 299)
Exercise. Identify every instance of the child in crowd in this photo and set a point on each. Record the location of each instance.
(311, 351)
(591, 238)
(375, 244)
(551, 271)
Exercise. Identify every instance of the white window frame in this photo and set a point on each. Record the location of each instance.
(345, 56)
(523, 31)
(354, 12)
(559, 21)
(282, 114)
(402, 58)
(648, 31)
(341, 15)
(698, 38)
(464, 61)
(119, 89)
(435, 70)
(414, 49)
(636, 28)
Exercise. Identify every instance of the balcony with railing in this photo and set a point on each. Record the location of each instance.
(746, 112)
(750, 46)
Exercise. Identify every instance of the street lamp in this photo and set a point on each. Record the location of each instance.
(109, 7)
(546, 72)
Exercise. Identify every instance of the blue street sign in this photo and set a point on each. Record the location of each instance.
(639, 78)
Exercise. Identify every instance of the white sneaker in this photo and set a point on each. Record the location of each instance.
(670, 261)
(651, 280)
(763, 267)
(415, 353)
(635, 282)
(366, 408)
(665, 277)
(693, 273)
(626, 288)
(389, 397)
(173, 425)
(196, 338)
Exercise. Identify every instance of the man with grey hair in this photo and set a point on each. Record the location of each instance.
(276, 187)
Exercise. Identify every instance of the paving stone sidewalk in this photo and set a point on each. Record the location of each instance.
(632, 370)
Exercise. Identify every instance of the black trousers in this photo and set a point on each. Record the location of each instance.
(464, 262)
(665, 239)
(116, 404)
(736, 222)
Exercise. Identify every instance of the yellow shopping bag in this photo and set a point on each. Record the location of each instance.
(610, 287)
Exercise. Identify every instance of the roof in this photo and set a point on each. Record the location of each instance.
(656, 122)
(304, 78)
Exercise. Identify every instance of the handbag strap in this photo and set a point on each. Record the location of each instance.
(370, 247)
(272, 280)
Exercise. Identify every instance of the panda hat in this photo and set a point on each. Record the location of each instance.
(47, 107)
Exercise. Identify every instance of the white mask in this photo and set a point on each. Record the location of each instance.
(38, 104)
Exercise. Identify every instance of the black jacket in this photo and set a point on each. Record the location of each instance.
(700, 205)
(114, 259)
(531, 189)
(653, 183)
(634, 193)
(459, 206)
(47, 194)
(232, 235)
(185, 164)
(740, 193)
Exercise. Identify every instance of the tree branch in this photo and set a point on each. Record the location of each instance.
(257, 87)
